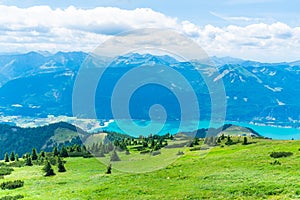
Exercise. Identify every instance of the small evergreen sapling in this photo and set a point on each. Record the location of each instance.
(63, 152)
(12, 156)
(28, 161)
(34, 154)
(55, 151)
(48, 169)
(6, 159)
(108, 169)
(60, 165)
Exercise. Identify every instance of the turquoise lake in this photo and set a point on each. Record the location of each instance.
(142, 127)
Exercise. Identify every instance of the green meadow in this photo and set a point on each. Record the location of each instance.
(222, 172)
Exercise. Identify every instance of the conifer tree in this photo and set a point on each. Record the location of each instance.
(48, 169)
(60, 165)
(108, 169)
(6, 159)
(245, 142)
(114, 156)
(55, 151)
(12, 156)
(63, 152)
(28, 161)
(34, 154)
(17, 157)
(42, 154)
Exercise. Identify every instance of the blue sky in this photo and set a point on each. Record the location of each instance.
(264, 30)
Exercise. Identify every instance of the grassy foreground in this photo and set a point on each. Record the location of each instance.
(229, 172)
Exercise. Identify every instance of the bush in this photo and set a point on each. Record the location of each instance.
(195, 149)
(280, 154)
(12, 197)
(19, 163)
(177, 145)
(5, 171)
(87, 155)
(11, 184)
(155, 153)
(276, 162)
(179, 153)
(145, 151)
(76, 154)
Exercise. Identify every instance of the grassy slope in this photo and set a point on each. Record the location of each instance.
(234, 172)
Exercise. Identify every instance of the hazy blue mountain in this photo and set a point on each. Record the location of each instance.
(38, 84)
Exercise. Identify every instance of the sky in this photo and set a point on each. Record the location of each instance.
(262, 30)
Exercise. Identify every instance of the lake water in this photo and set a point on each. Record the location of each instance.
(142, 127)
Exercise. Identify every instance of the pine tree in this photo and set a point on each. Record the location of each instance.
(114, 156)
(28, 161)
(171, 137)
(229, 141)
(245, 141)
(55, 151)
(63, 152)
(60, 165)
(17, 157)
(34, 154)
(12, 156)
(42, 154)
(48, 169)
(108, 169)
(6, 159)
(222, 137)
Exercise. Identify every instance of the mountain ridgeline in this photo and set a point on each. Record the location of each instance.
(22, 140)
(35, 85)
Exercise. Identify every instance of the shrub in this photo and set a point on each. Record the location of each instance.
(276, 162)
(12, 197)
(87, 155)
(11, 184)
(179, 153)
(84, 154)
(195, 149)
(5, 171)
(19, 163)
(155, 153)
(280, 154)
(145, 151)
(177, 145)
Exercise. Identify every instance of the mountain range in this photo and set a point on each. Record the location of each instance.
(38, 84)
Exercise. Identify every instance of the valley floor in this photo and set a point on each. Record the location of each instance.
(230, 172)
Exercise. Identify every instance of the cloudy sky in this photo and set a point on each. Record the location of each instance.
(263, 30)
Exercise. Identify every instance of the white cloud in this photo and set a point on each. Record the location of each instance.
(70, 29)
(39, 27)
